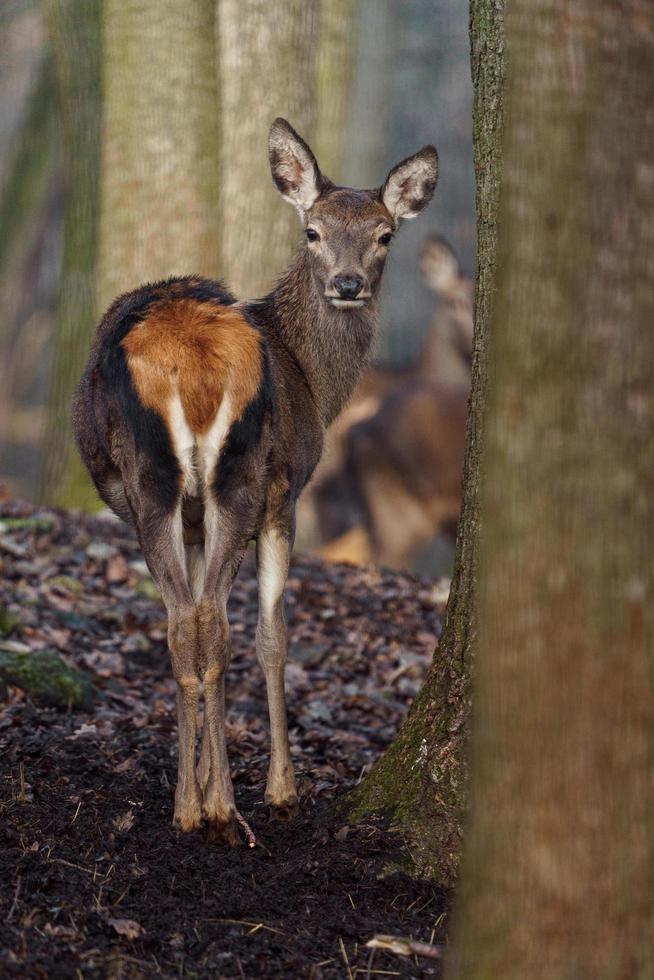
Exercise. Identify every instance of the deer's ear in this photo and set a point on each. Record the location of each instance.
(439, 264)
(293, 166)
(410, 185)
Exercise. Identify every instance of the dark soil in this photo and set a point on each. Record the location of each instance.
(94, 882)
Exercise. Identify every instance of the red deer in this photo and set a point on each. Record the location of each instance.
(201, 420)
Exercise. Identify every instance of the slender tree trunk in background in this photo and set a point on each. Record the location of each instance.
(336, 44)
(74, 31)
(421, 780)
(159, 210)
(557, 878)
(26, 212)
(267, 67)
(23, 193)
(370, 92)
(23, 186)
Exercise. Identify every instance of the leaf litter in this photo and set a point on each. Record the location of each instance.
(95, 878)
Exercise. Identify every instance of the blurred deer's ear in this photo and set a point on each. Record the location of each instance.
(410, 185)
(293, 166)
(439, 265)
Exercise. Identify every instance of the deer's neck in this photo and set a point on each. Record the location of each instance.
(332, 346)
(441, 360)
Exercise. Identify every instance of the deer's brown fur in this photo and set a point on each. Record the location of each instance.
(201, 420)
(198, 349)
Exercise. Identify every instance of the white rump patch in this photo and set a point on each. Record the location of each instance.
(212, 441)
(197, 454)
(183, 444)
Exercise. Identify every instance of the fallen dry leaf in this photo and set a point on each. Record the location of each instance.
(125, 765)
(83, 729)
(117, 570)
(124, 822)
(127, 928)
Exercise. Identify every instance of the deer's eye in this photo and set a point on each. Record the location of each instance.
(312, 235)
(386, 238)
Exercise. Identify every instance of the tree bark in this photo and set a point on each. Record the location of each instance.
(334, 74)
(29, 223)
(267, 67)
(159, 207)
(74, 31)
(421, 781)
(558, 871)
(370, 93)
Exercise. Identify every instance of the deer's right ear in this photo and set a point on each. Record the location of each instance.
(293, 166)
(410, 185)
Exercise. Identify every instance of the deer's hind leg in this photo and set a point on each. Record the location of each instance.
(162, 542)
(226, 539)
(196, 570)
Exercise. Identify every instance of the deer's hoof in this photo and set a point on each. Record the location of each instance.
(188, 819)
(221, 831)
(286, 809)
(188, 809)
(220, 818)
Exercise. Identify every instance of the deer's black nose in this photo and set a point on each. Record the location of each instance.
(348, 287)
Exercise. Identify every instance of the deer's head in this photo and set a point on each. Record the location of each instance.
(348, 232)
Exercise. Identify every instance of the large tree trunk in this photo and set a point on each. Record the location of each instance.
(159, 209)
(74, 31)
(267, 66)
(421, 780)
(558, 873)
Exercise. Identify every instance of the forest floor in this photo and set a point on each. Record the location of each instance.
(94, 881)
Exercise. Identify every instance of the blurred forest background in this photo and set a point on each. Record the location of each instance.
(133, 146)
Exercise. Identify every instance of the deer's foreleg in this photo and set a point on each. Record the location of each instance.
(273, 554)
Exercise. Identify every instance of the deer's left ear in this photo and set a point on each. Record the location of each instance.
(410, 185)
(293, 166)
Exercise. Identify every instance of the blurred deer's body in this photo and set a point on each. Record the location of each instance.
(201, 420)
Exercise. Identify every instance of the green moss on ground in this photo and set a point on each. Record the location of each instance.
(47, 678)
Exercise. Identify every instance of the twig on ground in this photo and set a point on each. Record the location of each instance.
(78, 867)
(251, 839)
(406, 947)
(15, 901)
(248, 922)
(347, 962)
